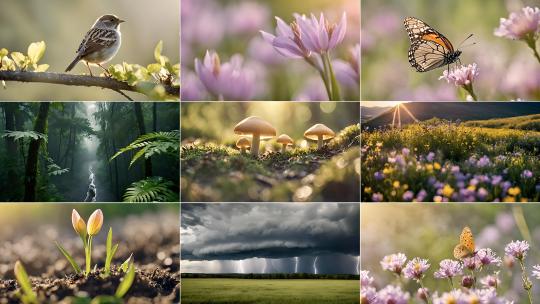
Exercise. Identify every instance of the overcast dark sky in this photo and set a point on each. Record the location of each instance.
(224, 238)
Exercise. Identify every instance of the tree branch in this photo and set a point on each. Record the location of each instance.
(78, 80)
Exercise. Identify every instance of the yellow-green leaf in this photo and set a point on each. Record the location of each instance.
(19, 58)
(42, 68)
(3, 52)
(154, 68)
(158, 50)
(36, 51)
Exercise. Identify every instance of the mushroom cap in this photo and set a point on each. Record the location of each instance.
(243, 142)
(285, 139)
(255, 125)
(317, 130)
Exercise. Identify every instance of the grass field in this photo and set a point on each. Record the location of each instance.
(270, 291)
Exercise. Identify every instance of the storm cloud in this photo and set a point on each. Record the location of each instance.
(234, 232)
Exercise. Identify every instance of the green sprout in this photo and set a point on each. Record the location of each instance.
(27, 294)
(86, 232)
(110, 252)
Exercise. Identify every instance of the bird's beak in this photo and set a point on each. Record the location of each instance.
(121, 21)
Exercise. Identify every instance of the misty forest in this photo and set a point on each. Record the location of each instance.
(89, 151)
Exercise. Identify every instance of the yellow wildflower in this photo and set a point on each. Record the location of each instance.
(514, 191)
(447, 190)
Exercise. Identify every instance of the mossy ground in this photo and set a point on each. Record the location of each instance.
(212, 172)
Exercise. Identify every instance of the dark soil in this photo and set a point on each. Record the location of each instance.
(152, 238)
(149, 286)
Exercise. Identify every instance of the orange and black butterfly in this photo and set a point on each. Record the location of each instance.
(466, 247)
(429, 49)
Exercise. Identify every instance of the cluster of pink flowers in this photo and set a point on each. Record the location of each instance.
(468, 292)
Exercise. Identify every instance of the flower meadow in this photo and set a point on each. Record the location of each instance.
(403, 262)
(251, 50)
(442, 161)
(499, 61)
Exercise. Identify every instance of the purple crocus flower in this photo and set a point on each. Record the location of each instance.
(416, 268)
(517, 249)
(448, 269)
(430, 157)
(348, 72)
(421, 196)
(393, 294)
(321, 36)
(288, 41)
(483, 162)
(482, 193)
(192, 87)
(228, 81)
(246, 17)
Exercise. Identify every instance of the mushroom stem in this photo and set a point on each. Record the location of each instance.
(255, 144)
(243, 150)
(319, 141)
(284, 148)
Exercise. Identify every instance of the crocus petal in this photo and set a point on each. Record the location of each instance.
(283, 29)
(95, 222)
(267, 37)
(309, 37)
(339, 32)
(287, 47)
(78, 223)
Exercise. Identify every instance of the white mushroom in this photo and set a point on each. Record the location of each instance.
(242, 143)
(285, 140)
(320, 133)
(257, 128)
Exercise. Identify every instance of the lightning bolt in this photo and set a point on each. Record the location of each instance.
(315, 265)
(240, 266)
(358, 265)
(296, 265)
(265, 265)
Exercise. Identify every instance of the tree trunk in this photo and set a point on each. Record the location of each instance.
(154, 115)
(30, 180)
(113, 143)
(11, 145)
(142, 130)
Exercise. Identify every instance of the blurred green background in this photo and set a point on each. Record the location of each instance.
(430, 231)
(216, 121)
(508, 70)
(63, 24)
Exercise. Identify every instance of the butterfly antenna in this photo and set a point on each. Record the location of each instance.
(468, 37)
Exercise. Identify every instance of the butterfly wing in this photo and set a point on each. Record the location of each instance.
(429, 48)
(426, 55)
(461, 252)
(466, 239)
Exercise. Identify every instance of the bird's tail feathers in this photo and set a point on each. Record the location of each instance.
(73, 64)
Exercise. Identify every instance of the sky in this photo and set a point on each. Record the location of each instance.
(275, 238)
(371, 104)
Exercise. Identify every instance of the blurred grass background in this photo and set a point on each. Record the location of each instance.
(216, 121)
(508, 70)
(63, 24)
(430, 231)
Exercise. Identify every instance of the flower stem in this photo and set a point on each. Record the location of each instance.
(424, 289)
(469, 88)
(527, 285)
(531, 42)
(451, 283)
(88, 251)
(336, 96)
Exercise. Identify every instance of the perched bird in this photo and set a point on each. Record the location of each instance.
(100, 44)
